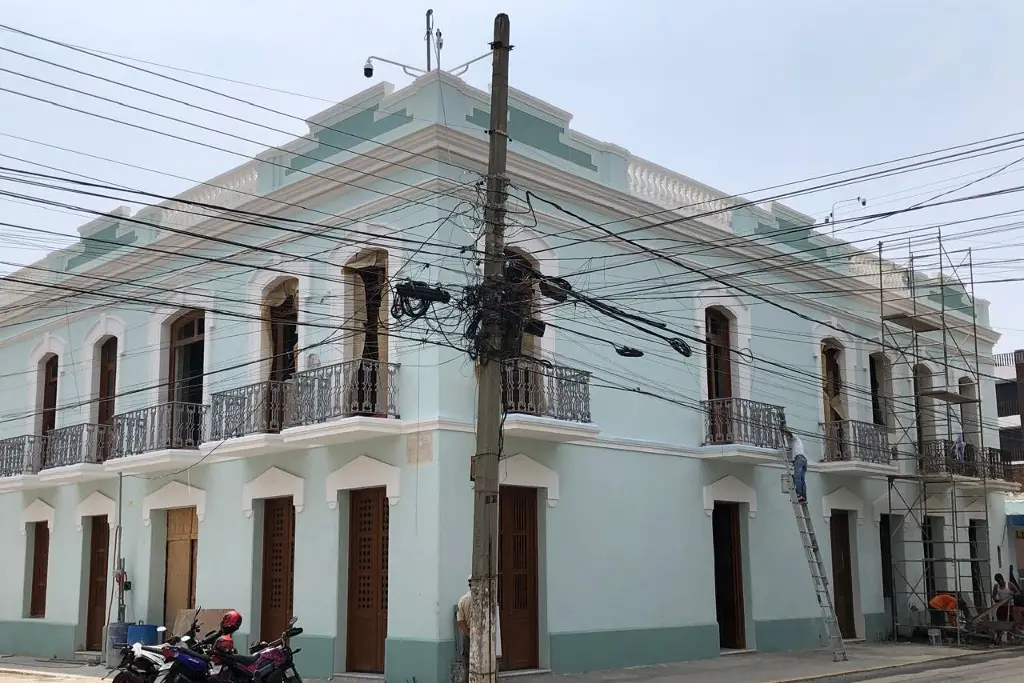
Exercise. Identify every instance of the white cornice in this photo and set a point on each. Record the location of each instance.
(436, 140)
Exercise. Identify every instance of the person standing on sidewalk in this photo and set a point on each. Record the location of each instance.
(799, 464)
(463, 617)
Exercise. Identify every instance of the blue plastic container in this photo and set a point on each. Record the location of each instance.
(142, 633)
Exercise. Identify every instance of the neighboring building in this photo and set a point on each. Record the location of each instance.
(287, 447)
(1009, 368)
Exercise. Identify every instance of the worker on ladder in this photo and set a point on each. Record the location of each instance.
(799, 464)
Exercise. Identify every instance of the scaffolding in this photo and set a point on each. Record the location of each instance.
(938, 505)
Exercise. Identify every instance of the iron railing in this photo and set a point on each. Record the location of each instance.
(21, 455)
(161, 427)
(77, 445)
(367, 388)
(942, 457)
(741, 421)
(855, 441)
(254, 409)
(533, 387)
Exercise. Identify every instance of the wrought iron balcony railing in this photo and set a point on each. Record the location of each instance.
(160, 427)
(366, 388)
(21, 455)
(854, 441)
(254, 409)
(77, 444)
(533, 387)
(944, 457)
(741, 421)
(994, 465)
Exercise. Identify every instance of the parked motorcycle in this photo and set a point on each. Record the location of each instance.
(267, 662)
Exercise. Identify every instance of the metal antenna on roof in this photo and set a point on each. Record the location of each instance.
(434, 42)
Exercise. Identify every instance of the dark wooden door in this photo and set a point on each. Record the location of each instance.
(40, 567)
(725, 529)
(96, 613)
(278, 566)
(182, 550)
(108, 381)
(842, 572)
(517, 578)
(367, 580)
(719, 369)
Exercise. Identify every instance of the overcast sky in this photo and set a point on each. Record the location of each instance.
(739, 95)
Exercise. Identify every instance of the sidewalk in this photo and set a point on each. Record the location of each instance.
(783, 667)
(775, 667)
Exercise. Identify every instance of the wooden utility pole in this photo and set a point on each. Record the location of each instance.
(484, 588)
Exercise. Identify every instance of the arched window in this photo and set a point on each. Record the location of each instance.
(880, 370)
(833, 403)
(280, 314)
(718, 336)
(924, 414)
(49, 369)
(184, 416)
(366, 375)
(970, 424)
(107, 368)
(523, 376)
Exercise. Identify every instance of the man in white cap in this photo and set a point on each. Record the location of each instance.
(465, 613)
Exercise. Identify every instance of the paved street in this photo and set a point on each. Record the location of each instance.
(1001, 671)
(918, 664)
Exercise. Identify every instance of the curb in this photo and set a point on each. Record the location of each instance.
(876, 672)
(36, 672)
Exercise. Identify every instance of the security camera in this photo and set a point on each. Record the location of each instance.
(368, 69)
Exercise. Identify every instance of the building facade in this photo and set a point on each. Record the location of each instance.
(269, 436)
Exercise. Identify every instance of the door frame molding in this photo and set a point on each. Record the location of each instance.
(274, 482)
(37, 511)
(364, 472)
(174, 494)
(95, 505)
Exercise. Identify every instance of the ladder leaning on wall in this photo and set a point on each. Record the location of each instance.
(817, 566)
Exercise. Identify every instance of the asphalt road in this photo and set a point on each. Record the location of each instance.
(997, 671)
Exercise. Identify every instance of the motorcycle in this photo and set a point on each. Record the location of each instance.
(267, 662)
(141, 663)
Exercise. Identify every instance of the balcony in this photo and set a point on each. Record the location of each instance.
(76, 453)
(248, 420)
(545, 401)
(970, 467)
(157, 437)
(343, 403)
(853, 447)
(742, 431)
(20, 459)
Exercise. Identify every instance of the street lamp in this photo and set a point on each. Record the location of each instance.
(434, 42)
(831, 217)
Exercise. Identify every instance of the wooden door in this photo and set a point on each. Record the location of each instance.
(96, 608)
(367, 580)
(517, 578)
(278, 566)
(40, 567)
(725, 529)
(842, 572)
(108, 381)
(719, 370)
(182, 552)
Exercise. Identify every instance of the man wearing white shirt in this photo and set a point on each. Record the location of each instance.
(799, 465)
(464, 616)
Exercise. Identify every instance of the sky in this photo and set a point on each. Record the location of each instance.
(738, 95)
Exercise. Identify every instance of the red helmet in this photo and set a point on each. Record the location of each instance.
(230, 622)
(224, 644)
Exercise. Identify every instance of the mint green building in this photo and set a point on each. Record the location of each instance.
(284, 446)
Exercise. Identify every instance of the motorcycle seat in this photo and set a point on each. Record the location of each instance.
(245, 660)
(153, 648)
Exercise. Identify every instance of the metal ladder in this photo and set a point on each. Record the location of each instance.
(817, 566)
